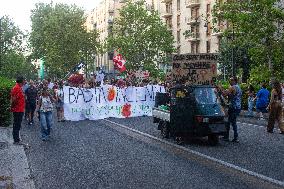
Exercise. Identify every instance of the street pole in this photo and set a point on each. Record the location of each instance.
(233, 55)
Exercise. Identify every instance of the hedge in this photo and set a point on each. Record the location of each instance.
(5, 114)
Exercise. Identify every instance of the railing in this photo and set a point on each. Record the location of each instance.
(191, 3)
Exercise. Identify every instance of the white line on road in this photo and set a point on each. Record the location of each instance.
(243, 170)
(253, 125)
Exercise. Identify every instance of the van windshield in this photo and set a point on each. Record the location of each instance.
(205, 95)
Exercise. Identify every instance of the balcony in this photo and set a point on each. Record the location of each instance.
(194, 37)
(193, 20)
(219, 31)
(192, 3)
(166, 1)
(168, 13)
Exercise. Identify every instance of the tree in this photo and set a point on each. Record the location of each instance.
(12, 50)
(255, 23)
(60, 37)
(141, 37)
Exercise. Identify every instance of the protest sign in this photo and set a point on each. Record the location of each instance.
(109, 101)
(195, 69)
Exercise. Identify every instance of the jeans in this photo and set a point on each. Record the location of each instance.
(232, 120)
(250, 106)
(45, 123)
(18, 117)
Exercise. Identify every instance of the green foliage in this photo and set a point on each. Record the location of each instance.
(16, 64)
(141, 37)
(60, 37)
(5, 88)
(12, 49)
(225, 59)
(11, 37)
(255, 23)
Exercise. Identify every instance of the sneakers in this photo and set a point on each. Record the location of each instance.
(261, 119)
(235, 140)
(227, 139)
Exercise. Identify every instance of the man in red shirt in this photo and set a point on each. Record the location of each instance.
(17, 107)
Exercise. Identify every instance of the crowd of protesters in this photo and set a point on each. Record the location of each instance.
(42, 97)
(32, 98)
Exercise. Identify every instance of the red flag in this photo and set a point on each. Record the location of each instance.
(119, 62)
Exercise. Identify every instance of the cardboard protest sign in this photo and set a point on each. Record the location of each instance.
(195, 69)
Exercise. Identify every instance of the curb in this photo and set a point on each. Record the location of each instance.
(14, 163)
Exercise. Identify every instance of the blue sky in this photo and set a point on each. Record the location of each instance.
(19, 10)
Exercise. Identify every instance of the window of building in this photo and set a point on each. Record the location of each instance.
(194, 13)
(197, 47)
(208, 9)
(178, 5)
(178, 50)
(178, 36)
(197, 31)
(219, 42)
(169, 23)
(208, 44)
(169, 8)
(192, 47)
(209, 29)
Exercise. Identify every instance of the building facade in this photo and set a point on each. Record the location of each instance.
(191, 24)
(101, 19)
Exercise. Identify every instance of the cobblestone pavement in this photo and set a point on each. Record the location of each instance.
(90, 154)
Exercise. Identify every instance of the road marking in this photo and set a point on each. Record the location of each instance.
(253, 125)
(226, 164)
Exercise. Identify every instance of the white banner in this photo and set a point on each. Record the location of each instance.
(109, 101)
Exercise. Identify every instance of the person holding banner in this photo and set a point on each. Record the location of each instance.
(45, 109)
(59, 102)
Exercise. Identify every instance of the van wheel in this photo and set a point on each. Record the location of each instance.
(213, 139)
(165, 131)
(179, 140)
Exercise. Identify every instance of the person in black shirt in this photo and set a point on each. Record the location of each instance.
(31, 98)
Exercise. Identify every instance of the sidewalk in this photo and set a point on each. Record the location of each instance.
(14, 168)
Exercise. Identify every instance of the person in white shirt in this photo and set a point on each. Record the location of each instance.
(50, 84)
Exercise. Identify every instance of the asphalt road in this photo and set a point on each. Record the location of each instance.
(257, 151)
(90, 154)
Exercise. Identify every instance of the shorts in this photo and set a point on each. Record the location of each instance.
(261, 109)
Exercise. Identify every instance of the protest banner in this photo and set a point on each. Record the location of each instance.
(109, 101)
(195, 69)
